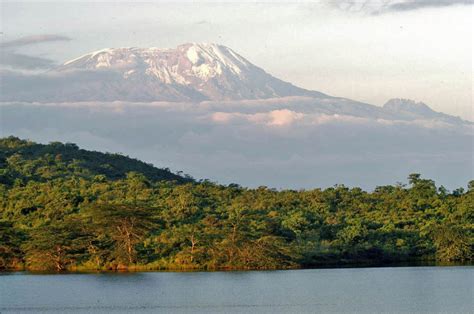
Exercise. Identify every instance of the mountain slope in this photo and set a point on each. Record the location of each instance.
(190, 72)
(29, 160)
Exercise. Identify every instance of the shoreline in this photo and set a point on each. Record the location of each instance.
(235, 269)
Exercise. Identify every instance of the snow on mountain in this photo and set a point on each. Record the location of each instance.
(190, 72)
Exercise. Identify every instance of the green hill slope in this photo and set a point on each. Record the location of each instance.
(26, 160)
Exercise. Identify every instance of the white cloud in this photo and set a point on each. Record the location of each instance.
(277, 118)
(284, 117)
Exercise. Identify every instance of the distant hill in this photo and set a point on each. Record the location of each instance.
(28, 160)
(407, 109)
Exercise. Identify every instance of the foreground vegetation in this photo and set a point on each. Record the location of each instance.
(63, 208)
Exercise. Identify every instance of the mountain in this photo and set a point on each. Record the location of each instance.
(407, 109)
(189, 72)
(32, 161)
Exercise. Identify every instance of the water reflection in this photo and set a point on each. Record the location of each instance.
(402, 289)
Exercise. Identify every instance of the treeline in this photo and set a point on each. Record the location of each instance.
(62, 209)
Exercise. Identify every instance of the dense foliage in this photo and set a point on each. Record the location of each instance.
(62, 207)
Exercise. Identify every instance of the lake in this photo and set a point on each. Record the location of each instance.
(364, 290)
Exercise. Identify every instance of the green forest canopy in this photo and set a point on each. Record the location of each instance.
(65, 208)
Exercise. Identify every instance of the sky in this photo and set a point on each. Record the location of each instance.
(368, 51)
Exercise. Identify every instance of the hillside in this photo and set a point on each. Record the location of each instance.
(25, 160)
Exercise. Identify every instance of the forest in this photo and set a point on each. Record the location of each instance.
(63, 208)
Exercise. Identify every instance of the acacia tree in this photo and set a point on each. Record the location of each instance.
(248, 239)
(56, 245)
(126, 225)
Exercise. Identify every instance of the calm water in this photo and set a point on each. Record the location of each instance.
(363, 290)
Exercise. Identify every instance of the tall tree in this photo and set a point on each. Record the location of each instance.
(126, 225)
(10, 241)
(57, 245)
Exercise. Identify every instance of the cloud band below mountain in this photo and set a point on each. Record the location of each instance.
(265, 144)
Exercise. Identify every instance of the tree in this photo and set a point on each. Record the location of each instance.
(470, 186)
(452, 243)
(10, 240)
(57, 245)
(125, 224)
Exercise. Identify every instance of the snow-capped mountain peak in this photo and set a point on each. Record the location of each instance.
(204, 61)
(192, 71)
(219, 56)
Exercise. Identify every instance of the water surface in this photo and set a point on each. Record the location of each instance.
(363, 290)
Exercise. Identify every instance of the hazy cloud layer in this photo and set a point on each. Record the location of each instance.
(17, 85)
(418, 4)
(10, 58)
(386, 6)
(35, 39)
(263, 144)
(24, 62)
